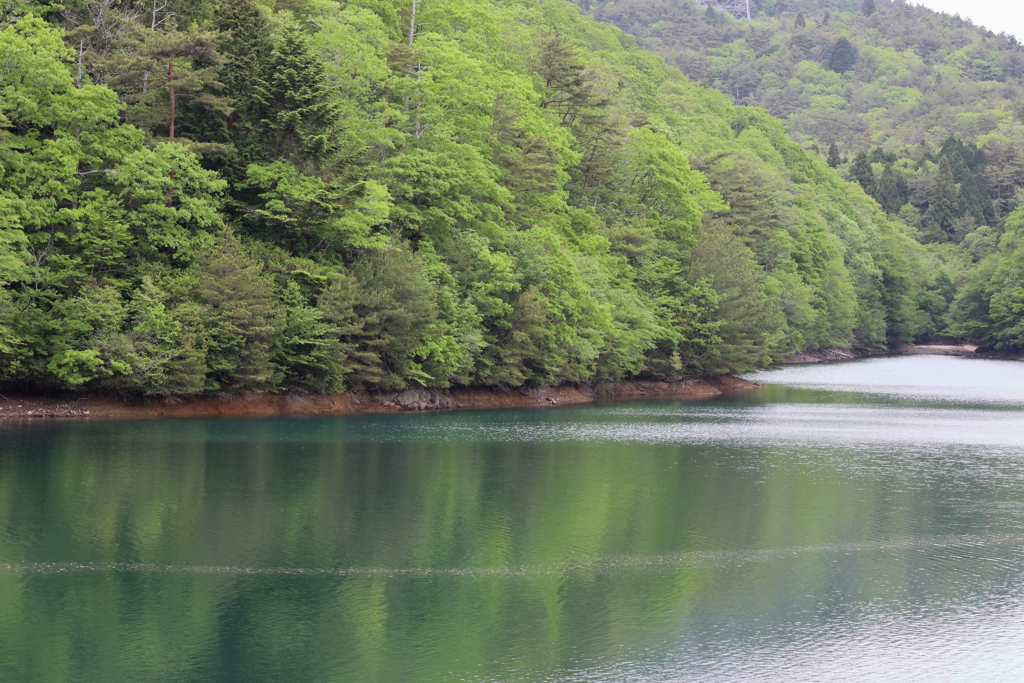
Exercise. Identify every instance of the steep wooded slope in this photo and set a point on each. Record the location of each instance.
(306, 196)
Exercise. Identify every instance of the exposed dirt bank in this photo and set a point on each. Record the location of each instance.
(826, 355)
(248, 404)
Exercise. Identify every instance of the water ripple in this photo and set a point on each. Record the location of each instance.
(608, 564)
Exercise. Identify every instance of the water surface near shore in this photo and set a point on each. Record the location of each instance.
(856, 521)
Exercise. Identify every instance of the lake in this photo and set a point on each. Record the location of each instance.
(858, 521)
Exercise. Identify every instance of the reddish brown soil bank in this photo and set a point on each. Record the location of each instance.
(248, 404)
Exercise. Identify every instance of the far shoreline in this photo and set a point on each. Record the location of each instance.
(961, 350)
(32, 406)
(27, 406)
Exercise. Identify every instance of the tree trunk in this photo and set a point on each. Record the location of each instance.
(412, 22)
(170, 94)
(78, 76)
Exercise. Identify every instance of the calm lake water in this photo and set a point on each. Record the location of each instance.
(860, 521)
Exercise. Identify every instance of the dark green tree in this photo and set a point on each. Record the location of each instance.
(833, 155)
(800, 21)
(752, 322)
(843, 56)
(159, 70)
(295, 109)
(887, 190)
(240, 319)
(863, 173)
(868, 8)
(246, 47)
(568, 89)
(944, 208)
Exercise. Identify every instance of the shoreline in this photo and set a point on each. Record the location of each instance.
(249, 404)
(962, 350)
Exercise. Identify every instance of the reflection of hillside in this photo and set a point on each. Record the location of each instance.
(386, 548)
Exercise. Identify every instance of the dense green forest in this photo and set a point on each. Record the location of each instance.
(925, 111)
(886, 93)
(314, 195)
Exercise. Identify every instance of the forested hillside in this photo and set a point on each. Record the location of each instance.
(312, 195)
(886, 92)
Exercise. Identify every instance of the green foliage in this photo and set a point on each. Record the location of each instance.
(514, 196)
(157, 71)
(863, 173)
(904, 82)
(293, 108)
(833, 155)
(989, 308)
(751, 321)
(843, 56)
(942, 211)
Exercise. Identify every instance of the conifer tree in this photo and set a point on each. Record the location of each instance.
(868, 8)
(863, 173)
(162, 68)
(887, 191)
(247, 48)
(843, 57)
(944, 208)
(833, 155)
(295, 108)
(568, 89)
(800, 21)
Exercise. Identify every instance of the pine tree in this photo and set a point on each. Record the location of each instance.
(969, 168)
(800, 21)
(868, 8)
(843, 57)
(241, 316)
(833, 155)
(568, 88)
(162, 68)
(825, 19)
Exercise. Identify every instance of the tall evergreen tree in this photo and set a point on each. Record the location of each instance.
(833, 155)
(843, 56)
(887, 190)
(800, 21)
(863, 173)
(567, 87)
(868, 8)
(162, 69)
(944, 208)
(246, 47)
(295, 108)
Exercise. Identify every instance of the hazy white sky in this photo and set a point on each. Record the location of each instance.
(998, 15)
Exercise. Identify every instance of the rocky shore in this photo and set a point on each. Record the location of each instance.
(21, 406)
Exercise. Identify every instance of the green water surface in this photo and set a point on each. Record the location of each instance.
(859, 521)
